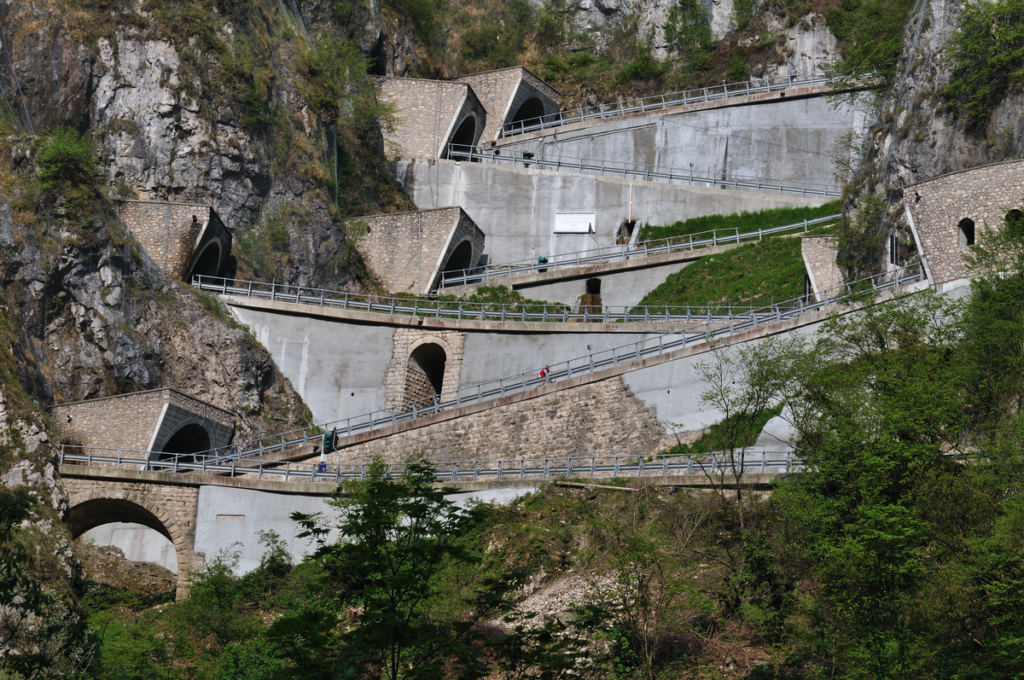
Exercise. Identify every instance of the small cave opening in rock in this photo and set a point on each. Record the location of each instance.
(377, 64)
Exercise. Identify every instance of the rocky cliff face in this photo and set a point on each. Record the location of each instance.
(918, 133)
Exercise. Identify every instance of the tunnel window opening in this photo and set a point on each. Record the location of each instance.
(190, 439)
(1015, 223)
(966, 232)
(424, 375)
(462, 141)
(808, 288)
(593, 286)
(531, 109)
(208, 263)
(462, 258)
(377, 63)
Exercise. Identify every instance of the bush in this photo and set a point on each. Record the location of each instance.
(65, 160)
(871, 31)
(986, 57)
(736, 71)
(644, 67)
(688, 33)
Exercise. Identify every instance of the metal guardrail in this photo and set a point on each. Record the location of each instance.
(699, 330)
(663, 101)
(539, 469)
(647, 173)
(460, 310)
(619, 253)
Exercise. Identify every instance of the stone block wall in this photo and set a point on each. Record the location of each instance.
(397, 377)
(591, 419)
(819, 253)
(984, 195)
(172, 509)
(503, 91)
(140, 421)
(408, 251)
(168, 231)
(429, 112)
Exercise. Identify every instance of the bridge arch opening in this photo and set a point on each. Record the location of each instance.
(531, 109)
(135, 530)
(424, 375)
(966, 232)
(463, 140)
(461, 258)
(208, 262)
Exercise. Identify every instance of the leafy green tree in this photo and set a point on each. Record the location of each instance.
(871, 33)
(65, 160)
(986, 57)
(371, 614)
(688, 33)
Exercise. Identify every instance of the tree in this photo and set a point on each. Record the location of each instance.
(373, 613)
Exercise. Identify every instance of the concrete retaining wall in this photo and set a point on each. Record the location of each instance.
(781, 138)
(515, 207)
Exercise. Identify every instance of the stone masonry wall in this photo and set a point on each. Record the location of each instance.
(406, 340)
(594, 417)
(405, 249)
(428, 113)
(176, 507)
(128, 421)
(984, 194)
(819, 253)
(167, 231)
(503, 91)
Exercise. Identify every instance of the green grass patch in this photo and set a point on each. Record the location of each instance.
(758, 272)
(744, 221)
(740, 430)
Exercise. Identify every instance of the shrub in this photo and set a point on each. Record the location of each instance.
(871, 33)
(688, 33)
(986, 57)
(65, 159)
(644, 67)
(736, 71)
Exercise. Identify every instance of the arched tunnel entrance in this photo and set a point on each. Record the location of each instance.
(208, 262)
(461, 258)
(190, 439)
(531, 109)
(462, 140)
(424, 374)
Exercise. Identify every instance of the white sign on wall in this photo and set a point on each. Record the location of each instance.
(575, 223)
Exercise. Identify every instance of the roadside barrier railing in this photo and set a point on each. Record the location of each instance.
(699, 330)
(539, 469)
(645, 173)
(622, 252)
(460, 310)
(663, 101)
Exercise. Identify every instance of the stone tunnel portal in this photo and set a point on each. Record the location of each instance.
(208, 263)
(191, 438)
(531, 109)
(424, 375)
(462, 258)
(463, 140)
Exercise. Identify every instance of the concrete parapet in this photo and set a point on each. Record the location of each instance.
(516, 207)
(408, 251)
(949, 212)
(184, 239)
(144, 421)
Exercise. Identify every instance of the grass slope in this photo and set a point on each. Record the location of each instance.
(758, 272)
(744, 221)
